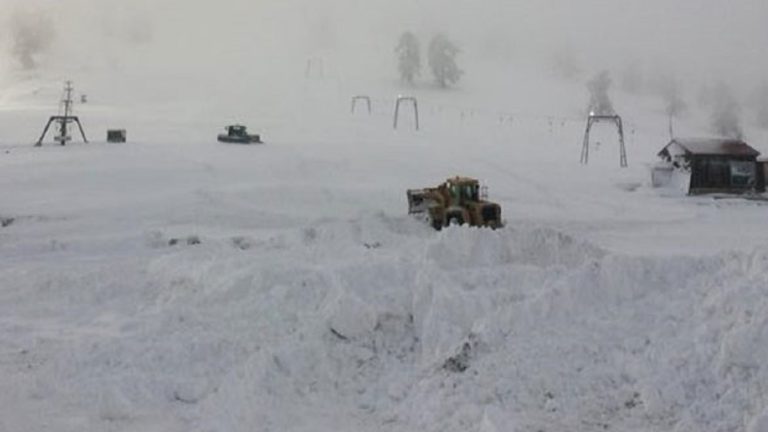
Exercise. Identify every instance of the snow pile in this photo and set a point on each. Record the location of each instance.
(380, 329)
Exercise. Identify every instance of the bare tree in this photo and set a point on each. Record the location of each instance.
(670, 91)
(409, 57)
(32, 34)
(726, 112)
(599, 101)
(442, 61)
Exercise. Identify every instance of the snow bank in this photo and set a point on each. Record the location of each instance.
(406, 329)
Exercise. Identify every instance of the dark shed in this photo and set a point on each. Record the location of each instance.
(762, 168)
(716, 164)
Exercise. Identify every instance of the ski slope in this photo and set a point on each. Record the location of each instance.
(177, 284)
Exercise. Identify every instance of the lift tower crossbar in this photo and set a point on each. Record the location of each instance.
(406, 99)
(616, 120)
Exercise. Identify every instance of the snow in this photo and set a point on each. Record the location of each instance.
(176, 284)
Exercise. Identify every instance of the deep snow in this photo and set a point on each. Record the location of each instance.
(313, 303)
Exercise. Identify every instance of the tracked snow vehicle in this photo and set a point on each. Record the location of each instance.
(458, 201)
(238, 134)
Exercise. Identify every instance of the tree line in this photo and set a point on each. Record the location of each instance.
(441, 58)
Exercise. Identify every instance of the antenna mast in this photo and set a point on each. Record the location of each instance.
(67, 101)
(64, 120)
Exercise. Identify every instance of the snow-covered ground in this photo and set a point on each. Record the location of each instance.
(177, 284)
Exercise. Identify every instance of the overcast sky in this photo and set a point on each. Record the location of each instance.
(708, 39)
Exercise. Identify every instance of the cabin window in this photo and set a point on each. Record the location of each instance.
(470, 192)
(742, 173)
(455, 192)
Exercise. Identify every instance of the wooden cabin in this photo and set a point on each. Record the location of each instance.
(716, 165)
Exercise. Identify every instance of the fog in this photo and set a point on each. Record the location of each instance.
(702, 41)
(175, 283)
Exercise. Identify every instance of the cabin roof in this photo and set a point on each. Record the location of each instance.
(712, 147)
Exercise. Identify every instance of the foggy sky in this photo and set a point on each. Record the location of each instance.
(705, 40)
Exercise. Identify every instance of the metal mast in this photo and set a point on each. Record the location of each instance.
(67, 102)
(64, 120)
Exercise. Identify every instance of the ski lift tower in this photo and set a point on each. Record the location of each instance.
(600, 118)
(63, 119)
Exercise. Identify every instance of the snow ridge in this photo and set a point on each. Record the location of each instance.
(381, 323)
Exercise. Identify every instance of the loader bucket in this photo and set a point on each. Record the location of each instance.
(418, 201)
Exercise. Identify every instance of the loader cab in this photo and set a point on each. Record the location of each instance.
(237, 131)
(464, 190)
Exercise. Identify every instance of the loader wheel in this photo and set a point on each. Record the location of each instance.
(455, 219)
(437, 224)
